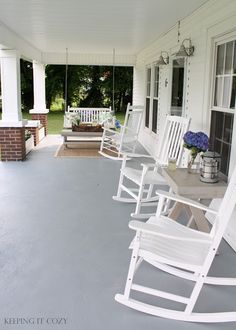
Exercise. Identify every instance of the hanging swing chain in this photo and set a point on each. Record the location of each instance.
(66, 79)
(113, 82)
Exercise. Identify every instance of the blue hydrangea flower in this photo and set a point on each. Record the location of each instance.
(196, 142)
(117, 124)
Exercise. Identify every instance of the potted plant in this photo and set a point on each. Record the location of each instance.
(29, 141)
(196, 143)
(75, 121)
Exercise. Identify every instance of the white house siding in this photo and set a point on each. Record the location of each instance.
(215, 18)
(198, 26)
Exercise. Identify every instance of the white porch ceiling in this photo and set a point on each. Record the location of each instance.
(91, 26)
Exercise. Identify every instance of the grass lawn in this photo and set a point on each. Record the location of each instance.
(121, 117)
(55, 121)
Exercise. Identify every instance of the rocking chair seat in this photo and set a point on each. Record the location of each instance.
(128, 138)
(172, 243)
(136, 176)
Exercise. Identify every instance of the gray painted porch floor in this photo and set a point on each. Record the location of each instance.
(64, 247)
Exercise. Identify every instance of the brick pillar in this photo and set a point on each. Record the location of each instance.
(43, 120)
(35, 132)
(12, 143)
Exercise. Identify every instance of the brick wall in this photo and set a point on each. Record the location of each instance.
(12, 143)
(43, 120)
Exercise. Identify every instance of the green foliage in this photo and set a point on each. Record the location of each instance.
(26, 69)
(88, 86)
(28, 135)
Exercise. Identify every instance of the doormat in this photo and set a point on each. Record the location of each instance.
(63, 151)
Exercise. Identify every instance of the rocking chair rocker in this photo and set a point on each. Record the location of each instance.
(115, 143)
(171, 146)
(181, 252)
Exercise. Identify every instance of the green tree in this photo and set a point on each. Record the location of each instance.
(93, 95)
(123, 86)
(88, 86)
(26, 70)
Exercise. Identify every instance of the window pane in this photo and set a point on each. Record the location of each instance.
(225, 156)
(221, 137)
(154, 116)
(218, 92)
(147, 112)
(156, 81)
(228, 127)
(233, 94)
(229, 57)
(226, 92)
(234, 64)
(148, 81)
(220, 59)
(217, 121)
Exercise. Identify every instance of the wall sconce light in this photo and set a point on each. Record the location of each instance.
(163, 59)
(185, 49)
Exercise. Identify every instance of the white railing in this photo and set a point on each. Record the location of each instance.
(87, 115)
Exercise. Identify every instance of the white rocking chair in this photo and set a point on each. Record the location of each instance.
(181, 252)
(115, 143)
(171, 146)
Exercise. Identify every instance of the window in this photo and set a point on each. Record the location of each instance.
(148, 96)
(152, 97)
(225, 76)
(223, 103)
(177, 95)
(155, 99)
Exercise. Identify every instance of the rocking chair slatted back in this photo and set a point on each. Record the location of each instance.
(115, 143)
(133, 119)
(171, 145)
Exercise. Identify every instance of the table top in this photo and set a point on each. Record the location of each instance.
(189, 185)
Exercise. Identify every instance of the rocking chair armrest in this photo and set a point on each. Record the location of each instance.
(105, 129)
(186, 201)
(133, 155)
(154, 229)
(150, 165)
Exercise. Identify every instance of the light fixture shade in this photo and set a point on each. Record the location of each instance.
(185, 50)
(163, 60)
(182, 52)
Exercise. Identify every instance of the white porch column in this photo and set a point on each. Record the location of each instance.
(11, 90)
(39, 89)
(12, 131)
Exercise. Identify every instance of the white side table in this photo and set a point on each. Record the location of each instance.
(190, 186)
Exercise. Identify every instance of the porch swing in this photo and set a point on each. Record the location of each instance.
(87, 116)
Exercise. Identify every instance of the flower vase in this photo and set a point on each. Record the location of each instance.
(194, 164)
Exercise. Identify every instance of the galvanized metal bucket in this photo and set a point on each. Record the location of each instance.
(210, 167)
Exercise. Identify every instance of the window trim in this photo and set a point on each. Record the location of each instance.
(151, 98)
(217, 42)
(223, 39)
(172, 58)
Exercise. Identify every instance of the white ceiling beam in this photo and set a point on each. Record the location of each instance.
(89, 59)
(10, 40)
